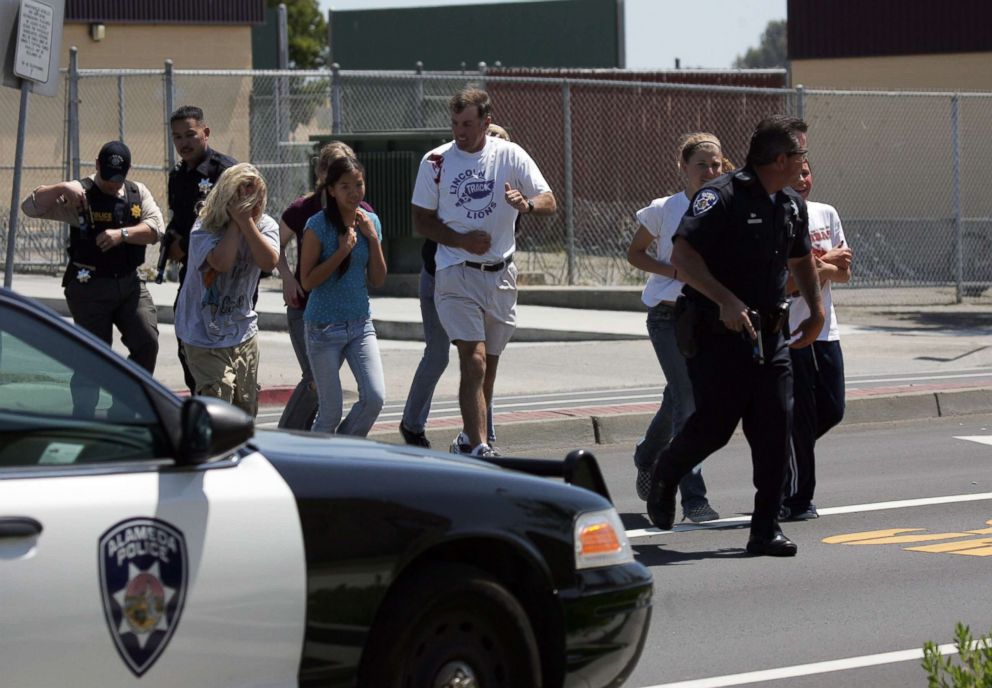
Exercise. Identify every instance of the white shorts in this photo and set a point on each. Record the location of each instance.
(477, 306)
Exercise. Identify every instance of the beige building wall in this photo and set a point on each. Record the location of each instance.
(948, 72)
(148, 46)
(879, 155)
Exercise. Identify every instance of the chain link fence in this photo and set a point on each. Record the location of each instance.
(906, 171)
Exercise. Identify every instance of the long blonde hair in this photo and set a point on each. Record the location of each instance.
(214, 214)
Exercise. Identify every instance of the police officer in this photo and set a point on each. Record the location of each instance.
(112, 219)
(189, 183)
(743, 234)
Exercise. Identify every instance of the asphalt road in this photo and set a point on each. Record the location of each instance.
(847, 600)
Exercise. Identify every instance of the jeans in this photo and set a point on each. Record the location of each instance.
(676, 405)
(302, 405)
(818, 405)
(328, 346)
(432, 364)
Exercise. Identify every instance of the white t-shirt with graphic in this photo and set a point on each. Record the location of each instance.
(661, 219)
(466, 190)
(825, 233)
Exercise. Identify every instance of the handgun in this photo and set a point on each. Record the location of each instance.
(757, 344)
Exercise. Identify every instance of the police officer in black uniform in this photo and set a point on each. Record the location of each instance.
(112, 219)
(189, 183)
(733, 249)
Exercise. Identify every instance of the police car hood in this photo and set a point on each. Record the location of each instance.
(319, 455)
(288, 444)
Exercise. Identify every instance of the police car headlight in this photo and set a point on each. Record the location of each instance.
(600, 540)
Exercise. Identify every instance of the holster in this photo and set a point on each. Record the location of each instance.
(687, 317)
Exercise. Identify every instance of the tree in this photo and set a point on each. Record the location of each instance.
(770, 53)
(307, 33)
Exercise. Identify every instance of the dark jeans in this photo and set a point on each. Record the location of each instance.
(819, 405)
(730, 387)
(99, 305)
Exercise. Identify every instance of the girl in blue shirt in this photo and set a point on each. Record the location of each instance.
(340, 256)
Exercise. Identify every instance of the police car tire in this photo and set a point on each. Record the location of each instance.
(447, 614)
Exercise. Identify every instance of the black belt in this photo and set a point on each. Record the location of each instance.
(490, 267)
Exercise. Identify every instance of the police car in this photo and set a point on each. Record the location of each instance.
(163, 542)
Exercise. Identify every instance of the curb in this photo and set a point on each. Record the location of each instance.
(395, 330)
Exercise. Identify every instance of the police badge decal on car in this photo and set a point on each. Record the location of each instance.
(143, 570)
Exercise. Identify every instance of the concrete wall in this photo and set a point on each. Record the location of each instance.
(947, 72)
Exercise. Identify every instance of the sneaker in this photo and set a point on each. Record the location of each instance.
(795, 514)
(484, 451)
(417, 439)
(460, 445)
(699, 514)
(643, 483)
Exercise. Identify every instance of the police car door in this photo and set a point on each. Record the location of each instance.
(116, 565)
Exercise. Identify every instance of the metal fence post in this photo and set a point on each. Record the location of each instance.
(335, 98)
(72, 132)
(956, 200)
(419, 94)
(120, 107)
(74, 112)
(168, 98)
(567, 151)
(283, 124)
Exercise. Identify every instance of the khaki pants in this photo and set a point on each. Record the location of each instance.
(229, 373)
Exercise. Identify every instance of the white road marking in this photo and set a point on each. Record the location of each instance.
(981, 439)
(807, 669)
(826, 511)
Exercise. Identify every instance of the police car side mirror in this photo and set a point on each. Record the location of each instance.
(211, 427)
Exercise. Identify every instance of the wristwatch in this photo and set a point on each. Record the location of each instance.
(124, 234)
(530, 206)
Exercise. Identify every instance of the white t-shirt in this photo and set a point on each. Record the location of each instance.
(662, 218)
(825, 233)
(468, 194)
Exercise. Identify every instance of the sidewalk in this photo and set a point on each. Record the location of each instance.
(557, 348)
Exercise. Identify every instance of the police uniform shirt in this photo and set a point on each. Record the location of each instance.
(63, 212)
(189, 187)
(745, 237)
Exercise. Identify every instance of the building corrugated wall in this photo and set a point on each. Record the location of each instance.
(820, 29)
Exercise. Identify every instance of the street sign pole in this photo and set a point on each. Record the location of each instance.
(15, 191)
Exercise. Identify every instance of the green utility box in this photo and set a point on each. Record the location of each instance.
(391, 160)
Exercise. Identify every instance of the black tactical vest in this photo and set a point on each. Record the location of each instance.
(106, 212)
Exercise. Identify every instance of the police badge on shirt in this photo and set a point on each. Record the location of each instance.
(143, 572)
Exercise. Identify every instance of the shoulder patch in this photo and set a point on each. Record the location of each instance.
(143, 579)
(704, 200)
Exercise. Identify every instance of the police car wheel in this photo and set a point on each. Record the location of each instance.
(451, 626)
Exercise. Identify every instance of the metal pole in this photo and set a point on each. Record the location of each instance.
(335, 98)
(801, 101)
(956, 200)
(72, 134)
(74, 110)
(283, 125)
(15, 191)
(569, 209)
(169, 96)
(120, 107)
(419, 95)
